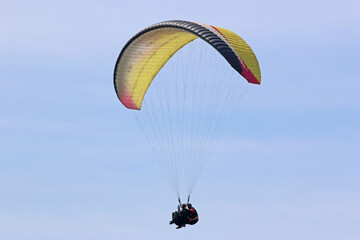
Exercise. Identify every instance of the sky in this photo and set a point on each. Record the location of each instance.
(75, 165)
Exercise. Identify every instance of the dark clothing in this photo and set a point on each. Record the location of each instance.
(180, 218)
(185, 213)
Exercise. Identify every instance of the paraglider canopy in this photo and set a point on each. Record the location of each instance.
(148, 51)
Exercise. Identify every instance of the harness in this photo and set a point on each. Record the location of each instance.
(193, 212)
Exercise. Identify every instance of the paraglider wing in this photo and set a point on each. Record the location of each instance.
(147, 52)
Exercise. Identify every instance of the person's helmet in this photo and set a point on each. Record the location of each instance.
(189, 205)
(183, 206)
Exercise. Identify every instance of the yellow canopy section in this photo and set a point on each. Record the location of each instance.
(144, 58)
(244, 51)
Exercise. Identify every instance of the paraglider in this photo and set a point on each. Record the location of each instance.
(183, 105)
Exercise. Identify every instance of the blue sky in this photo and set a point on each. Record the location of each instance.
(70, 165)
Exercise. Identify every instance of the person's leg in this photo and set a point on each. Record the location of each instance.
(174, 217)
